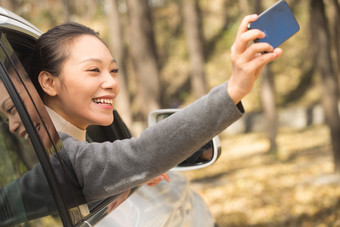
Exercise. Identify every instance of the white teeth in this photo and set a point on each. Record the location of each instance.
(103, 101)
(26, 136)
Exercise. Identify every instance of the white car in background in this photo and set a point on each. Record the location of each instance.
(31, 192)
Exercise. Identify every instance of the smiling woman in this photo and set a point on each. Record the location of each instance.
(76, 77)
(74, 66)
(84, 90)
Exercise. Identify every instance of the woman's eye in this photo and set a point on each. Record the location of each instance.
(94, 70)
(114, 70)
(11, 110)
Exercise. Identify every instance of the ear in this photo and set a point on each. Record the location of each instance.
(48, 83)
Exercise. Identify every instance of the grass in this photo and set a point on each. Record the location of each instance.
(248, 186)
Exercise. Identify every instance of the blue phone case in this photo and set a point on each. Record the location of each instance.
(277, 22)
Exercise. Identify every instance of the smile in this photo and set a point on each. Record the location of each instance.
(103, 101)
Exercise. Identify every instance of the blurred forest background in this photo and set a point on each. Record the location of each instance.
(172, 52)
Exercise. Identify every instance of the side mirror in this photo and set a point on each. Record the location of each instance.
(205, 156)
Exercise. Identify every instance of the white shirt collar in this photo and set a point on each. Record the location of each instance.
(63, 125)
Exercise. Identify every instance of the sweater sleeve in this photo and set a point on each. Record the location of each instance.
(105, 169)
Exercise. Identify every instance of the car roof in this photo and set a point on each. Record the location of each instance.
(11, 21)
(21, 34)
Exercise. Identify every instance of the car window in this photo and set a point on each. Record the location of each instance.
(25, 119)
(25, 195)
(61, 181)
(17, 159)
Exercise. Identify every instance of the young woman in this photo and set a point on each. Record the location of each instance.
(80, 91)
(76, 76)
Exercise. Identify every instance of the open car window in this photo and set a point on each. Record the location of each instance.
(37, 131)
(25, 192)
(50, 189)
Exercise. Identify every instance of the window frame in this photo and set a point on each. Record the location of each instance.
(37, 144)
(22, 34)
(99, 211)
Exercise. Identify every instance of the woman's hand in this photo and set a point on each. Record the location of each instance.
(247, 60)
(158, 179)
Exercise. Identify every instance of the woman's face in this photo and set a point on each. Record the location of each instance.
(8, 109)
(87, 84)
(10, 112)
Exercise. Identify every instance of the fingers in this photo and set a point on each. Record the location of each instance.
(244, 24)
(256, 65)
(166, 177)
(150, 184)
(242, 41)
(247, 60)
(253, 51)
(158, 179)
(154, 181)
(263, 59)
(244, 36)
(278, 51)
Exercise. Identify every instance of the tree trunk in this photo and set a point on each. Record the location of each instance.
(258, 6)
(321, 39)
(268, 96)
(335, 18)
(119, 53)
(244, 7)
(268, 105)
(144, 56)
(67, 9)
(8, 4)
(193, 28)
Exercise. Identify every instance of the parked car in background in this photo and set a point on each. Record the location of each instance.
(35, 186)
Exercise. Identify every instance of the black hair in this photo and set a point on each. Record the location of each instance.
(51, 50)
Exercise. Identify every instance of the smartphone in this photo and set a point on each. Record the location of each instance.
(277, 22)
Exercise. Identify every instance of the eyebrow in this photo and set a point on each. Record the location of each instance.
(97, 60)
(4, 103)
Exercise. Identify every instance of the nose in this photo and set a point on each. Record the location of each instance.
(111, 82)
(13, 126)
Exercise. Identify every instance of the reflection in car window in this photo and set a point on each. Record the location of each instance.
(68, 186)
(28, 95)
(33, 187)
(25, 195)
(17, 205)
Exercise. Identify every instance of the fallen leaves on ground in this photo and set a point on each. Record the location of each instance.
(248, 186)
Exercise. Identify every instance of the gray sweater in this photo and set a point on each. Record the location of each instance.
(99, 170)
(105, 169)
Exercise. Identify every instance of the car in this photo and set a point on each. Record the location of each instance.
(36, 186)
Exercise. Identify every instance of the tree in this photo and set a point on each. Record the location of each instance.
(8, 4)
(269, 107)
(321, 39)
(116, 42)
(268, 97)
(143, 52)
(335, 28)
(67, 9)
(244, 7)
(193, 28)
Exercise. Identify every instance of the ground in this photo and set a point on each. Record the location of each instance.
(248, 186)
